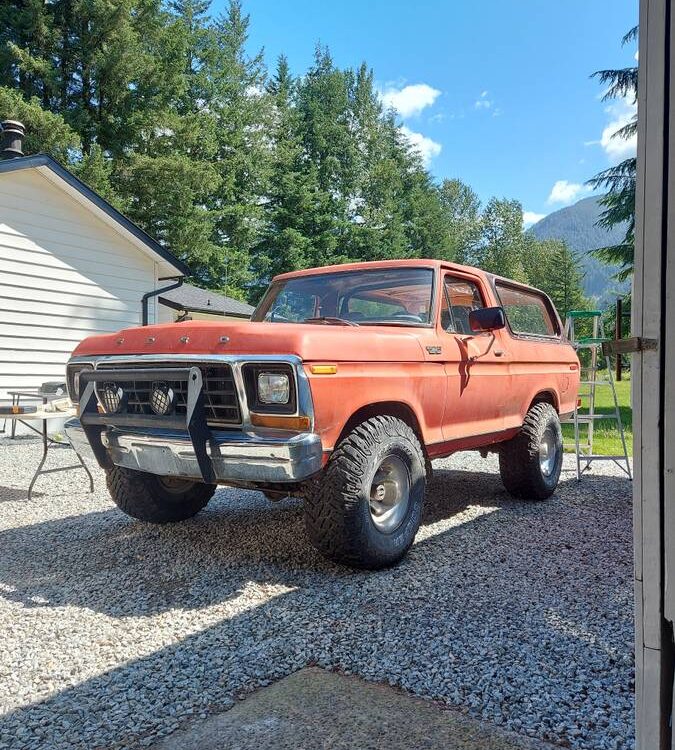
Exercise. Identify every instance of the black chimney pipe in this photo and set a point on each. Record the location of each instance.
(11, 139)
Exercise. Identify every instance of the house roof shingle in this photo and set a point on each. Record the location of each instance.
(194, 299)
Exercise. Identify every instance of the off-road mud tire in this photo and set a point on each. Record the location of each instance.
(519, 463)
(337, 512)
(143, 496)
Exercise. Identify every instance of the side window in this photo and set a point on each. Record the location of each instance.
(460, 297)
(527, 312)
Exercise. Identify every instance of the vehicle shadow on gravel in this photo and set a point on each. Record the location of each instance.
(452, 491)
(502, 608)
(239, 537)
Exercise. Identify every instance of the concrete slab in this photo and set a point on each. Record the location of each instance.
(314, 709)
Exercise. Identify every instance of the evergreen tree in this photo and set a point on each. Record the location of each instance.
(560, 276)
(619, 180)
(286, 240)
(323, 105)
(27, 43)
(425, 223)
(242, 112)
(502, 246)
(96, 170)
(400, 212)
(45, 131)
(83, 60)
(461, 207)
(167, 174)
(194, 47)
(375, 206)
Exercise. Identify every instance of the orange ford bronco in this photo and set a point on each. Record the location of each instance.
(345, 384)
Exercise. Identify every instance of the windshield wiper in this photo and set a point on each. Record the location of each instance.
(399, 323)
(330, 320)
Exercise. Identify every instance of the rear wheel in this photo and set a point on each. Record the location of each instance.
(148, 497)
(530, 463)
(366, 507)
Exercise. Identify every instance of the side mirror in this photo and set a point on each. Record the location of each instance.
(487, 319)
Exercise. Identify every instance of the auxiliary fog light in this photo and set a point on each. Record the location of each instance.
(110, 397)
(161, 398)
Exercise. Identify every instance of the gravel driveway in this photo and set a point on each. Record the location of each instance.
(116, 632)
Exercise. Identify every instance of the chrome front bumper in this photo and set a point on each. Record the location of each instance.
(261, 457)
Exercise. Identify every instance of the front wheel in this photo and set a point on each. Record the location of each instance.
(365, 509)
(530, 463)
(148, 497)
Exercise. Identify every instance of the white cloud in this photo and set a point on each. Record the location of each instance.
(565, 192)
(426, 147)
(410, 100)
(621, 113)
(530, 218)
(482, 102)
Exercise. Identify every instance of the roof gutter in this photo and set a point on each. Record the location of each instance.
(155, 292)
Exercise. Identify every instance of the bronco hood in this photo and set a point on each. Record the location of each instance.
(310, 342)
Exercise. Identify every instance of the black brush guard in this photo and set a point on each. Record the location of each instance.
(94, 423)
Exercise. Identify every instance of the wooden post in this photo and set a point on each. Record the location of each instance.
(617, 333)
(652, 380)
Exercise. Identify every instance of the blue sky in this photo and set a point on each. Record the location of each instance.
(495, 92)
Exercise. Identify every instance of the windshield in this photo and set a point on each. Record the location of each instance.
(383, 296)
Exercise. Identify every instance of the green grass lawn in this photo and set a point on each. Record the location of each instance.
(606, 438)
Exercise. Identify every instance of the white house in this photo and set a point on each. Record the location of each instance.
(70, 266)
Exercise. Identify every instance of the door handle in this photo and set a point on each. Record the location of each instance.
(499, 352)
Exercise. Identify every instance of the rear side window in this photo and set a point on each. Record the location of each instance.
(527, 312)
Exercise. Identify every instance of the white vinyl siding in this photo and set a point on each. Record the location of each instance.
(64, 274)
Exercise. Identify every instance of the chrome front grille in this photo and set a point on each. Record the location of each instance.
(220, 395)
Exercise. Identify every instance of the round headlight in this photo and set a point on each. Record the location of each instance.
(161, 398)
(110, 397)
(274, 388)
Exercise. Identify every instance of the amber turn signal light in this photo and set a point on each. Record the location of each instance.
(280, 422)
(323, 369)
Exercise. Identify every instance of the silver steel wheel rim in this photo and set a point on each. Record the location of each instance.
(389, 494)
(548, 453)
(175, 485)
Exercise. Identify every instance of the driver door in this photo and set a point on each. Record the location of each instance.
(476, 364)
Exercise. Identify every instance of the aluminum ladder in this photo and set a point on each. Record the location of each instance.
(593, 377)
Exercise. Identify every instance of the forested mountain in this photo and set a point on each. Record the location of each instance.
(241, 166)
(577, 226)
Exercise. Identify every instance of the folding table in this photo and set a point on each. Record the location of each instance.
(45, 416)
